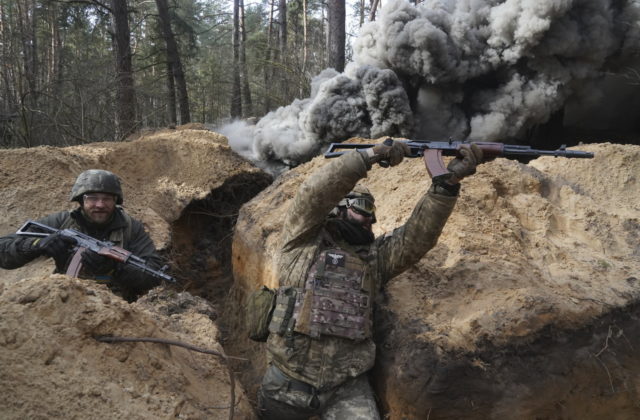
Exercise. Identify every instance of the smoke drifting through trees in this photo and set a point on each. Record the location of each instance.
(479, 70)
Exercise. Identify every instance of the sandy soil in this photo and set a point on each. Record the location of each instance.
(526, 308)
(51, 366)
(544, 251)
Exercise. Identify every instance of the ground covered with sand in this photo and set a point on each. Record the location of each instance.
(526, 308)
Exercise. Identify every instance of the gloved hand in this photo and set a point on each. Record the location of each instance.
(471, 156)
(28, 247)
(389, 151)
(97, 264)
(55, 246)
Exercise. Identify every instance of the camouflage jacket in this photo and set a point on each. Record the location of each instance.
(328, 361)
(124, 231)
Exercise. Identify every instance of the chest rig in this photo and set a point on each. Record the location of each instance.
(336, 299)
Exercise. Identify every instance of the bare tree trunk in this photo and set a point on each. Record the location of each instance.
(374, 8)
(25, 70)
(175, 63)
(282, 50)
(33, 49)
(247, 105)
(282, 27)
(268, 67)
(54, 68)
(324, 35)
(7, 71)
(236, 94)
(10, 78)
(304, 43)
(171, 96)
(29, 47)
(336, 38)
(125, 90)
(165, 24)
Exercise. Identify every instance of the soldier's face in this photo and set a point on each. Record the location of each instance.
(360, 218)
(98, 207)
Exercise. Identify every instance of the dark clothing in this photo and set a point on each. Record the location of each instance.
(122, 230)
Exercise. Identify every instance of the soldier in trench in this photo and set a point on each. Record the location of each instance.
(99, 214)
(330, 268)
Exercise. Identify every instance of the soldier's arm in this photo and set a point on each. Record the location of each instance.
(320, 193)
(17, 251)
(407, 244)
(141, 245)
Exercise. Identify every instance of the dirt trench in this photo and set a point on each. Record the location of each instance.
(586, 373)
(562, 374)
(201, 248)
(527, 307)
(449, 330)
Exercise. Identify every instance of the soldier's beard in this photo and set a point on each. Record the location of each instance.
(97, 218)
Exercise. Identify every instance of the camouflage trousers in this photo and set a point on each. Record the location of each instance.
(283, 398)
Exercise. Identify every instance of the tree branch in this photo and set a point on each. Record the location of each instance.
(113, 339)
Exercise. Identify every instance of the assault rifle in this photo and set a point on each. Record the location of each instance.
(86, 242)
(432, 152)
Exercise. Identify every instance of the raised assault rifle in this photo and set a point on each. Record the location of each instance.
(84, 242)
(432, 152)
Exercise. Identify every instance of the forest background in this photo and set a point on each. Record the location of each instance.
(79, 71)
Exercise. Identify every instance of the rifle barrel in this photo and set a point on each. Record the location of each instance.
(515, 150)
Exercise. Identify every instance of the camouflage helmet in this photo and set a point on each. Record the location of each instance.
(361, 199)
(360, 191)
(96, 180)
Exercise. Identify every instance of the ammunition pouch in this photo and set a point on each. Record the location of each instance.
(282, 320)
(259, 309)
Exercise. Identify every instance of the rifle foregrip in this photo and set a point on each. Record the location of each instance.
(491, 151)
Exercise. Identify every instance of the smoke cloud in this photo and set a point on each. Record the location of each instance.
(468, 69)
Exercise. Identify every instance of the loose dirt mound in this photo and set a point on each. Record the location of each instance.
(162, 173)
(186, 186)
(549, 246)
(537, 266)
(553, 242)
(52, 367)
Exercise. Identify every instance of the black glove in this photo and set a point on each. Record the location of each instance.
(465, 165)
(97, 264)
(390, 151)
(28, 247)
(55, 246)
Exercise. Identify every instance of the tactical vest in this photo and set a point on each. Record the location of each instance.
(335, 300)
